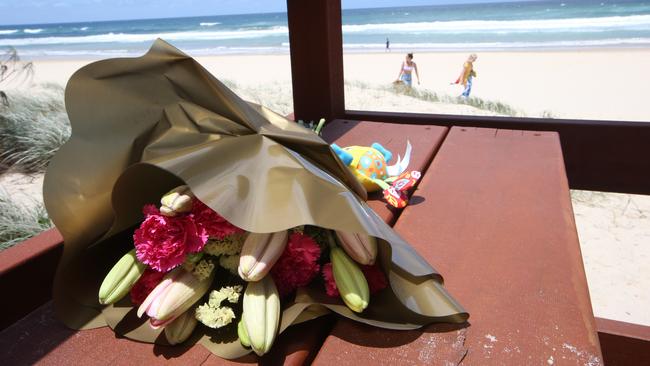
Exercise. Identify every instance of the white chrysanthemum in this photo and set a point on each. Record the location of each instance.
(216, 298)
(214, 317)
(212, 314)
(232, 293)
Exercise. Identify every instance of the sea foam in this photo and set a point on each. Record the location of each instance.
(466, 26)
(148, 37)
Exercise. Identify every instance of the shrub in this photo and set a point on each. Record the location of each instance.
(20, 221)
(32, 128)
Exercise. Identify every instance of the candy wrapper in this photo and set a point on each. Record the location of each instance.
(142, 127)
(397, 194)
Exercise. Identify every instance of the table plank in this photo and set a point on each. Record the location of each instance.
(497, 222)
(426, 141)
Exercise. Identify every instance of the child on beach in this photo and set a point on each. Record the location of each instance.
(406, 70)
(466, 75)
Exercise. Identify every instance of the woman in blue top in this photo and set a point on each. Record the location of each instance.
(406, 70)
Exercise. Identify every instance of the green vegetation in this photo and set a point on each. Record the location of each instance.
(276, 96)
(430, 96)
(13, 71)
(33, 126)
(19, 222)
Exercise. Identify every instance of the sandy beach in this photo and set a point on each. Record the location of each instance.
(614, 233)
(586, 84)
(589, 84)
(594, 84)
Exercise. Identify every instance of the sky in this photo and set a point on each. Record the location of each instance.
(61, 11)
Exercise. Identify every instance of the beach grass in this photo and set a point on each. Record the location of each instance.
(426, 95)
(20, 221)
(33, 126)
(278, 97)
(13, 72)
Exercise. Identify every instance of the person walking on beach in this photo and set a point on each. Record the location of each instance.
(387, 45)
(466, 75)
(406, 70)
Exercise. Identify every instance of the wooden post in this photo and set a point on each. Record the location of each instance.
(316, 58)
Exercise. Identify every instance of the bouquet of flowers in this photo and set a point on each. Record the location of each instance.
(172, 273)
(190, 215)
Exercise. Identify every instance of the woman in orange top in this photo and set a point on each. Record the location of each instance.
(467, 75)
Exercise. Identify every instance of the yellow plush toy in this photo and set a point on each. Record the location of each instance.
(370, 164)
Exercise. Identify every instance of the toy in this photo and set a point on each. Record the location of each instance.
(370, 167)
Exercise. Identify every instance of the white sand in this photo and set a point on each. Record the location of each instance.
(614, 229)
(271, 85)
(591, 84)
(242, 69)
(614, 232)
(26, 189)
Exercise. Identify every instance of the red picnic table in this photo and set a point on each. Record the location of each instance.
(492, 214)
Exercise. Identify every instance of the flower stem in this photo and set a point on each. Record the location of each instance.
(320, 125)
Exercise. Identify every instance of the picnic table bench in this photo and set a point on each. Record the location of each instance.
(492, 213)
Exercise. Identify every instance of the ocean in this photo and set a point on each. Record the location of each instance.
(521, 25)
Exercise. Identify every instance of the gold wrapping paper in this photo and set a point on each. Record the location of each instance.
(141, 126)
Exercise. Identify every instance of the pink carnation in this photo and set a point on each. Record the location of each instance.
(298, 264)
(330, 284)
(143, 287)
(213, 223)
(162, 241)
(373, 274)
(375, 277)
